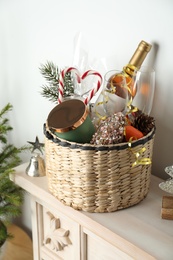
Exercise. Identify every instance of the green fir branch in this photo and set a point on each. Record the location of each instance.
(8, 212)
(4, 128)
(11, 196)
(51, 74)
(3, 233)
(9, 153)
(5, 110)
(51, 93)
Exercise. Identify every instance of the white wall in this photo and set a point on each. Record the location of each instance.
(34, 31)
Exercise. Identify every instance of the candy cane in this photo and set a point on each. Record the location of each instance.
(61, 81)
(94, 90)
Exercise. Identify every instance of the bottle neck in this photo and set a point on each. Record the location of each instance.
(137, 58)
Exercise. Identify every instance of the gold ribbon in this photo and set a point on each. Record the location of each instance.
(101, 117)
(130, 70)
(139, 160)
(131, 109)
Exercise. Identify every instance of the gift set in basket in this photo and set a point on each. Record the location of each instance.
(100, 160)
(97, 179)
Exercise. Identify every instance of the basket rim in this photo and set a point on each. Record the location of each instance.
(87, 146)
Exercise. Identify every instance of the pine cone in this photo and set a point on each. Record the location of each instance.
(144, 123)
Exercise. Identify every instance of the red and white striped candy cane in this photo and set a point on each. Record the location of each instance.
(94, 90)
(61, 81)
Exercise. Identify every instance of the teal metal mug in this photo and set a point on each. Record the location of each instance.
(70, 120)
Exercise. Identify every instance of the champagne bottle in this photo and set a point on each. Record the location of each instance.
(114, 96)
(132, 67)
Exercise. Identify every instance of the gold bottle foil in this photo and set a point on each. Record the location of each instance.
(137, 58)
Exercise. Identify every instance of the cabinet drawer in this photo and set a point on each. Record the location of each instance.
(99, 249)
(60, 236)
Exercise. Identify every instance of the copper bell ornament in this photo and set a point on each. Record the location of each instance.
(36, 167)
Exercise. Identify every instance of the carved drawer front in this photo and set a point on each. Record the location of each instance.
(60, 237)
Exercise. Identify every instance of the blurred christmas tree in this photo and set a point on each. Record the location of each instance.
(11, 196)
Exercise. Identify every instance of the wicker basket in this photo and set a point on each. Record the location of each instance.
(97, 178)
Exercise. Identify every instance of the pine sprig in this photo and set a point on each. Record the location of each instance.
(5, 110)
(9, 211)
(51, 74)
(50, 92)
(4, 123)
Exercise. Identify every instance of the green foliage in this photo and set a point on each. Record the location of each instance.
(4, 123)
(11, 196)
(3, 233)
(51, 74)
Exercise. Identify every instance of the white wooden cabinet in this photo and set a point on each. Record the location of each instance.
(60, 232)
